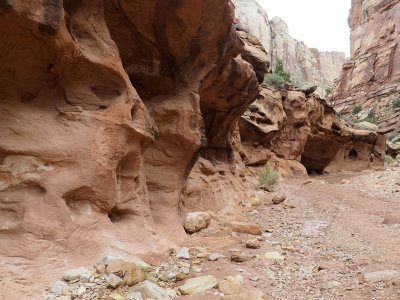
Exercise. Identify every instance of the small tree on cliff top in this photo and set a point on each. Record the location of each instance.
(281, 72)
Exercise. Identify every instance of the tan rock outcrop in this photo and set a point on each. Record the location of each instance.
(296, 133)
(307, 66)
(371, 77)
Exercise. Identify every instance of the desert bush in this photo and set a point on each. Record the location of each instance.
(274, 80)
(268, 177)
(327, 92)
(370, 120)
(396, 104)
(356, 109)
(281, 72)
(388, 158)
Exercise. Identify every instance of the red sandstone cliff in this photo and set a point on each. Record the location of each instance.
(371, 77)
(307, 66)
(118, 117)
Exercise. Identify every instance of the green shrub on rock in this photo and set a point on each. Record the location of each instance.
(356, 109)
(268, 177)
(388, 158)
(396, 104)
(274, 80)
(370, 120)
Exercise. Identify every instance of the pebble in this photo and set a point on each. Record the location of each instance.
(253, 243)
(372, 277)
(114, 281)
(150, 290)
(279, 198)
(183, 253)
(245, 228)
(198, 284)
(75, 274)
(58, 287)
(214, 256)
(230, 285)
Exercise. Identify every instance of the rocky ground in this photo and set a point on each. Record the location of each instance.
(334, 237)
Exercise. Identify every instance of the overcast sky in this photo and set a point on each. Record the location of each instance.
(320, 24)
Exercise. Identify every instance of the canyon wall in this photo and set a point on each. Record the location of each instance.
(307, 66)
(371, 77)
(298, 133)
(118, 117)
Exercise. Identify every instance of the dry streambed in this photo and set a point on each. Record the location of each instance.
(328, 237)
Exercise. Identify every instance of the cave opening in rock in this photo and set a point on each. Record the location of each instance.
(353, 154)
(318, 154)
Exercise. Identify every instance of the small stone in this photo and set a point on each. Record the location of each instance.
(185, 270)
(134, 274)
(308, 181)
(116, 296)
(196, 221)
(198, 284)
(180, 276)
(75, 274)
(279, 198)
(273, 255)
(114, 281)
(203, 255)
(146, 267)
(230, 285)
(372, 277)
(183, 253)
(58, 287)
(150, 290)
(250, 295)
(253, 243)
(134, 296)
(81, 290)
(254, 278)
(245, 228)
(252, 201)
(117, 267)
(214, 256)
(239, 257)
(85, 278)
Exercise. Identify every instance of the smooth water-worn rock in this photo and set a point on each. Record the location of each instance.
(198, 284)
(150, 290)
(196, 221)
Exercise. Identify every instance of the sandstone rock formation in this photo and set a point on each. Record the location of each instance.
(104, 110)
(298, 133)
(307, 66)
(118, 117)
(371, 77)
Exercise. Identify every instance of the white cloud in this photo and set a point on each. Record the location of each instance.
(320, 24)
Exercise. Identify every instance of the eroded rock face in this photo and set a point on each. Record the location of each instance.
(117, 118)
(298, 133)
(105, 109)
(307, 66)
(73, 132)
(371, 77)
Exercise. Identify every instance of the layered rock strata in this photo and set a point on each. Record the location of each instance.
(307, 66)
(371, 77)
(117, 118)
(105, 108)
(298, 134)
